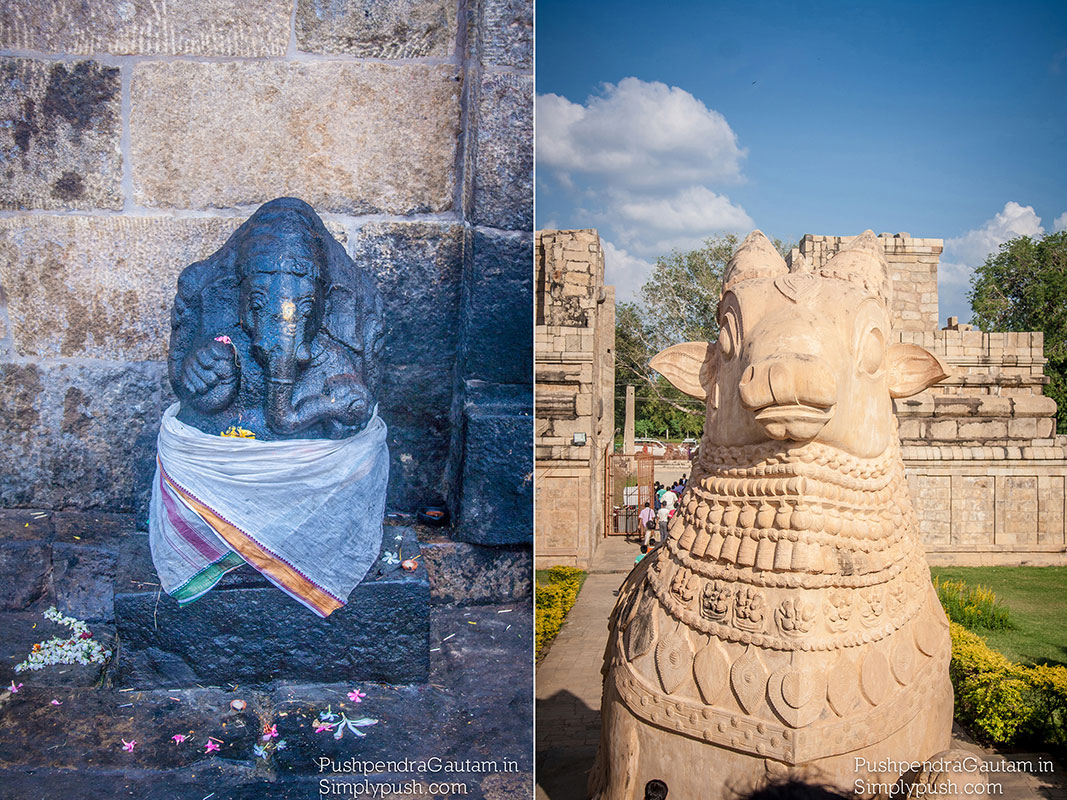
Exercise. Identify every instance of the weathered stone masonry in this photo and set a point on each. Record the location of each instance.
(575, 374)
(134, 138)
(985, 467)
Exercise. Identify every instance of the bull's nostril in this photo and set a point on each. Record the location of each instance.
(783, 383)
(747, 375)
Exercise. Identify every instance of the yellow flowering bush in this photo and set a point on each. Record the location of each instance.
(552, 602)
(972, 606)
(1003, 701)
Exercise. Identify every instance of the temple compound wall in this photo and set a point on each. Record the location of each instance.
(985, 467)
(136, 137)
(574, 345)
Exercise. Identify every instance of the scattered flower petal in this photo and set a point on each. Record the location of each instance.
(356, 696)
(13, 688)
(260, 750)
(57, 703)
(390, 558)
(270, 732)
(210, 747)
(128, 746)
(178, 738)
(321, 726)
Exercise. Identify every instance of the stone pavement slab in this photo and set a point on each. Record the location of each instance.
(475, 710)
(569, 683)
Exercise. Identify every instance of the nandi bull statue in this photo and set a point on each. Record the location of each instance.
(787, 627)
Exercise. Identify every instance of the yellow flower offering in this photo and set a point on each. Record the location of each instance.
(238, 433)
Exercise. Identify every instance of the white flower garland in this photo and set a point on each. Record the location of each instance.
(79, 648)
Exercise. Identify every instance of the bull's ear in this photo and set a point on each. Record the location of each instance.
(913, 368)
(690, 367)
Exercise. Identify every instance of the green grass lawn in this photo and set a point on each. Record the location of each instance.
(1037, 600)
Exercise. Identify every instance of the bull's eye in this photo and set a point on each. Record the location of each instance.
(729, 334)
(872, 352)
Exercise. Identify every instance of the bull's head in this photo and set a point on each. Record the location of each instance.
(802, 355)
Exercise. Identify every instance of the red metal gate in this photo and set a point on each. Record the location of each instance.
(629, 481)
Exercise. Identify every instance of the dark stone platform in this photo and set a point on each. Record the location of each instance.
(475, 708)
(247, 631)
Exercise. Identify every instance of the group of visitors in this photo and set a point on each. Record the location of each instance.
(659, 515)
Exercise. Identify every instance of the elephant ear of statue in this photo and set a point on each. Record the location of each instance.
(354, 312)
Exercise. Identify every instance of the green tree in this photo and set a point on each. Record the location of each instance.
(679, 303)
(1023, 287)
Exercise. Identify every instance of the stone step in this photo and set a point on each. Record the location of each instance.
(247, 631)
(20, 630)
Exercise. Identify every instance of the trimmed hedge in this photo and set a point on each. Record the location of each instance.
(553, 600)
(1005, 702)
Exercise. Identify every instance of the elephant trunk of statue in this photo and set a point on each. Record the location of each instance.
(344, 400)
(283, 359)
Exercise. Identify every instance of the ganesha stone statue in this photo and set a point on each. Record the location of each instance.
(274, 455)
(787, 626)
(277, 333)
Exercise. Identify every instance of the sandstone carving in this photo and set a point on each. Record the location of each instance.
(787, 625)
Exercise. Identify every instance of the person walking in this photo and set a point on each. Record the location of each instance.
(648, 524)
(663, 516)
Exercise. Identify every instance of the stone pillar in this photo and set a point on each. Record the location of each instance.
(628, 431)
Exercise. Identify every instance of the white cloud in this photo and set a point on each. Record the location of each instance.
(694, 210)
(963, 253)
(645, 163)
(1060, 223)
(625, 271)
(971, 249)
(637, 133)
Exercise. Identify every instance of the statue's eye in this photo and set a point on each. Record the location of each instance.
(730, 334)
(257, 301)
(872, 351)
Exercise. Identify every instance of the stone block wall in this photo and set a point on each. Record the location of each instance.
(985, 467)
(135, 137)
(984, 462)
(575, 377)
(913, 263)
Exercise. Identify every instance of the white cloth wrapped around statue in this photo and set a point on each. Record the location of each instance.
(306, 513)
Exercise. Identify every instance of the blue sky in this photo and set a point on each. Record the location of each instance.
(663, 124)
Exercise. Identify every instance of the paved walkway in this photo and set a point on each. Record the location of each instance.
(568, 691)
(569, 681)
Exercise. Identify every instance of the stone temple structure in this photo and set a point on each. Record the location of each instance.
(985, 467)
(574, 343)
(787, 625)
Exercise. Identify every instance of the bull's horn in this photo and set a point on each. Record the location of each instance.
(862, 261)
(799, 265)
(755, 258)
(690, 367)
